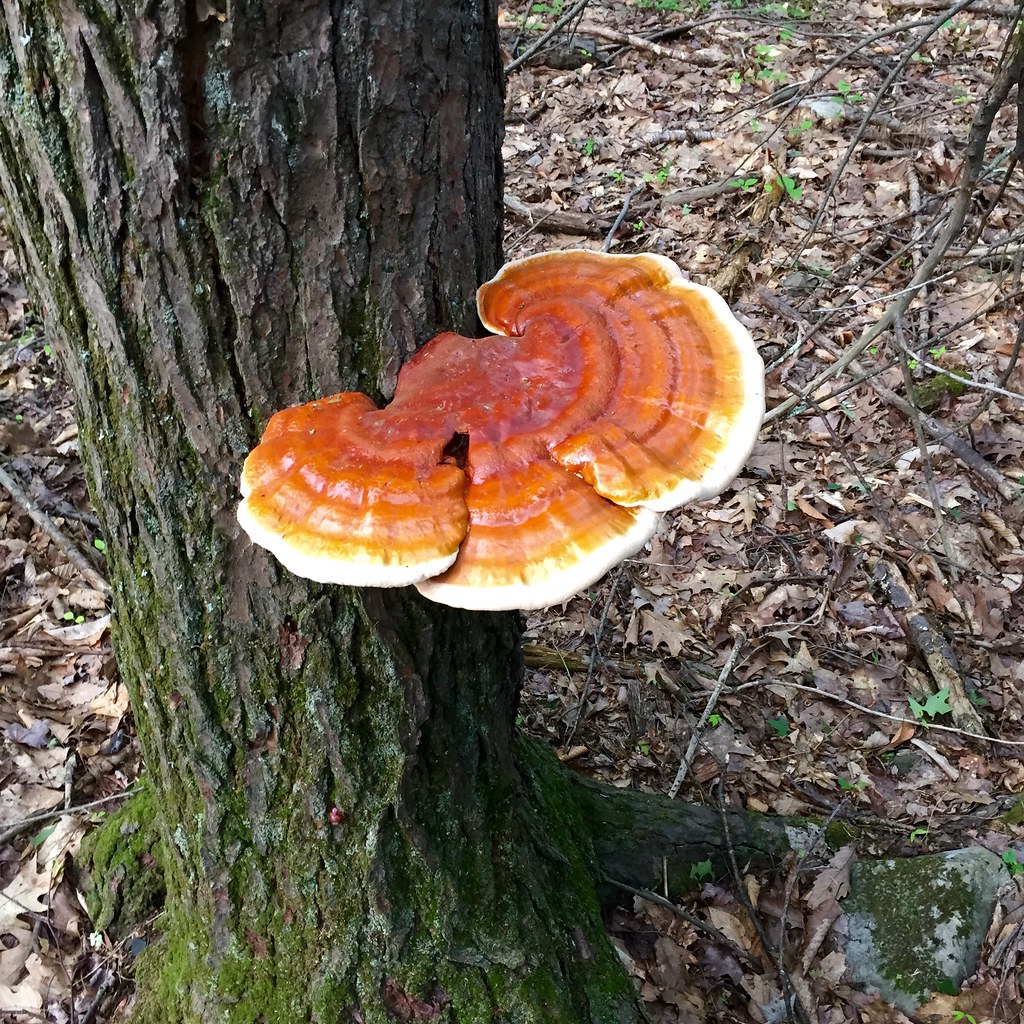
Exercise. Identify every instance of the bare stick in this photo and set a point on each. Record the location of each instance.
(539, 44)
(698, 729)
(50, 528)
(702, 926)
(639, 43)
(885, 716)
(926, 459)
(622, 216)
(597, 653)
(18, 827)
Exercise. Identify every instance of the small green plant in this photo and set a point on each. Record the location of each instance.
(660, 5)
(959, 1015)
(918, 833)
(1013, 865)
(72, 617)
(661, 175)
(617, 176)
(779, 726)
(745, 184)
(846, 91)
(788, 184)
(701, 870)
(644, 747)
(100, 545)
(588, 146)
(802, 126)
(48, 351)
(714, 721)
(42, 835)
(851, 784)
(937, 704)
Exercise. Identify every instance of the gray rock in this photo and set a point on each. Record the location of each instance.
(916, 924)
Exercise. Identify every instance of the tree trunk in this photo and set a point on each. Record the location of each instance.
(223, 210)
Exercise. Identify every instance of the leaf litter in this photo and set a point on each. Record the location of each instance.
(871, 582)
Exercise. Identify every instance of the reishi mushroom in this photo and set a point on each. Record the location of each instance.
(513, 470)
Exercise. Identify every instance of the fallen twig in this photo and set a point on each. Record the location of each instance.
(702, 926)
(914, 415)
(50, 528)
(875, 713)
(14, 830)
(557, 220)
(622, 216)
(695, 57)
(698, 729)
(538, 44)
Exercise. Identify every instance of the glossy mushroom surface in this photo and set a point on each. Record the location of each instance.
(513, 470)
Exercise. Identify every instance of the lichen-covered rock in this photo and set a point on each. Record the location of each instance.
(916, 924)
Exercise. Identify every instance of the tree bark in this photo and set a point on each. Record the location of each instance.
(223, 210)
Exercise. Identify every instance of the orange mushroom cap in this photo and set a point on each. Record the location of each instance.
(513, 470)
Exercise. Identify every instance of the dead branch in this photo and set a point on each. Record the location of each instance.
(926, 459)
(560, 221)
(930, 645)
(698, 729)
(50, 528)
(696, 57)
(538, 44)
(1001, 11)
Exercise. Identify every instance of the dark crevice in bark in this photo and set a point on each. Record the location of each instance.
(194, 49)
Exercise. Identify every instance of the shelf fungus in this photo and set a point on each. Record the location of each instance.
(513, 470)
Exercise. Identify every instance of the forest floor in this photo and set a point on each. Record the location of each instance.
(864, 575)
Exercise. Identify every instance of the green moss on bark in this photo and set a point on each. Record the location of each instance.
(123, 877)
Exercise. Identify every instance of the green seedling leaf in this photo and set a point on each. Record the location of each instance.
(42, 835)
(780, 726)
(936, 704)
(100, 545)
(848, 784)
(700, 870)
(791, 187)
(1013, 865)
(714, 721)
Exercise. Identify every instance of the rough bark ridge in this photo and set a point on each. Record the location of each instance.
(222, 211)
